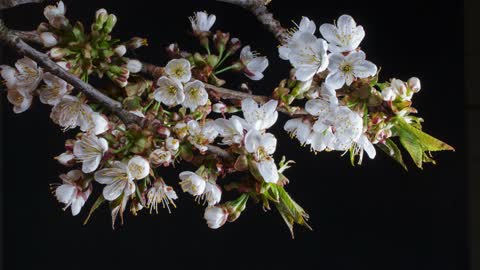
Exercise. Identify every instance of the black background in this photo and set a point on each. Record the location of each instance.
(371, 217)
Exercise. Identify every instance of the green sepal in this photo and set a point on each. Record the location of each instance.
(100, 200)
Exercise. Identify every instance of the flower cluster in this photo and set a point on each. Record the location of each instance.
(184, 116)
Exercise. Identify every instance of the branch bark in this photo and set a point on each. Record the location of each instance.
(12, 40)
(259, 9)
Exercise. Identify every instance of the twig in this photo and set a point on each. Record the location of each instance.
(259, 9)
(4, 4)
(12, 40)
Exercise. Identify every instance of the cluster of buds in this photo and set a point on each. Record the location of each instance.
(84, 53)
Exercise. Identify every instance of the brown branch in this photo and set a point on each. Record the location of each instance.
(259, 9)
(4, 4)
(12, 40)
(224, 93)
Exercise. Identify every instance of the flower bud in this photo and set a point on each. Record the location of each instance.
(414, 84)
(221, 39)
(136, 42)
(160, 157)
(57, 53)
(100, 14)
(64, 64)
(219, 107)
(134, 66)
(120, 50)
(48, 39)
(234, 45)
(172, 144)
(43, 27)
(110, 23)
(163, 131)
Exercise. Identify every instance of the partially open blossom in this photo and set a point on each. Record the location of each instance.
(72, 191)
(202, 22)
(49, 39)
(192, 183)
(160, 193)
(399, 88)
(343, 37)
(299, 128)
(253, 65)
(212, 194)
(90, 150)
(54, 90)
(215, 216)
(117, 179)
(179, 69)
(172, 144)
(169, 91)
(138, 167)
(259, 117)
(219, 107)
(344, 69)
(195, 95)
(56, 15)
(414, 84)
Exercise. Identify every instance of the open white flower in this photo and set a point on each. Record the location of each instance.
(215, 216)
(195, 95)
(169, 91)
(192, 183)
(201, 136)
(56, 15)
(308, 56)
(306, 25)
(230, 130)
(90, 150)
(138, 167)
(179, 69)
(54, 90)
(343, 37)
(262, 146)
(202, 22)
(21, 99)
(344, 69)
(71, 192)
(26, 75)
(70, 112)
(253, 65)
(347, 126)
(259, 117)
(117, 179)
(160, 193)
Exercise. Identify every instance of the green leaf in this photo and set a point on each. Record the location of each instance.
(291, 212)
(95, 205)
(417, 143)
(391, 148)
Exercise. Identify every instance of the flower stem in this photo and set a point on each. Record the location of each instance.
(223, 69)
(223, 59)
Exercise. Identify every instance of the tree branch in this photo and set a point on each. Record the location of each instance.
(259, 9)
(12, 40)
(4, 4)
